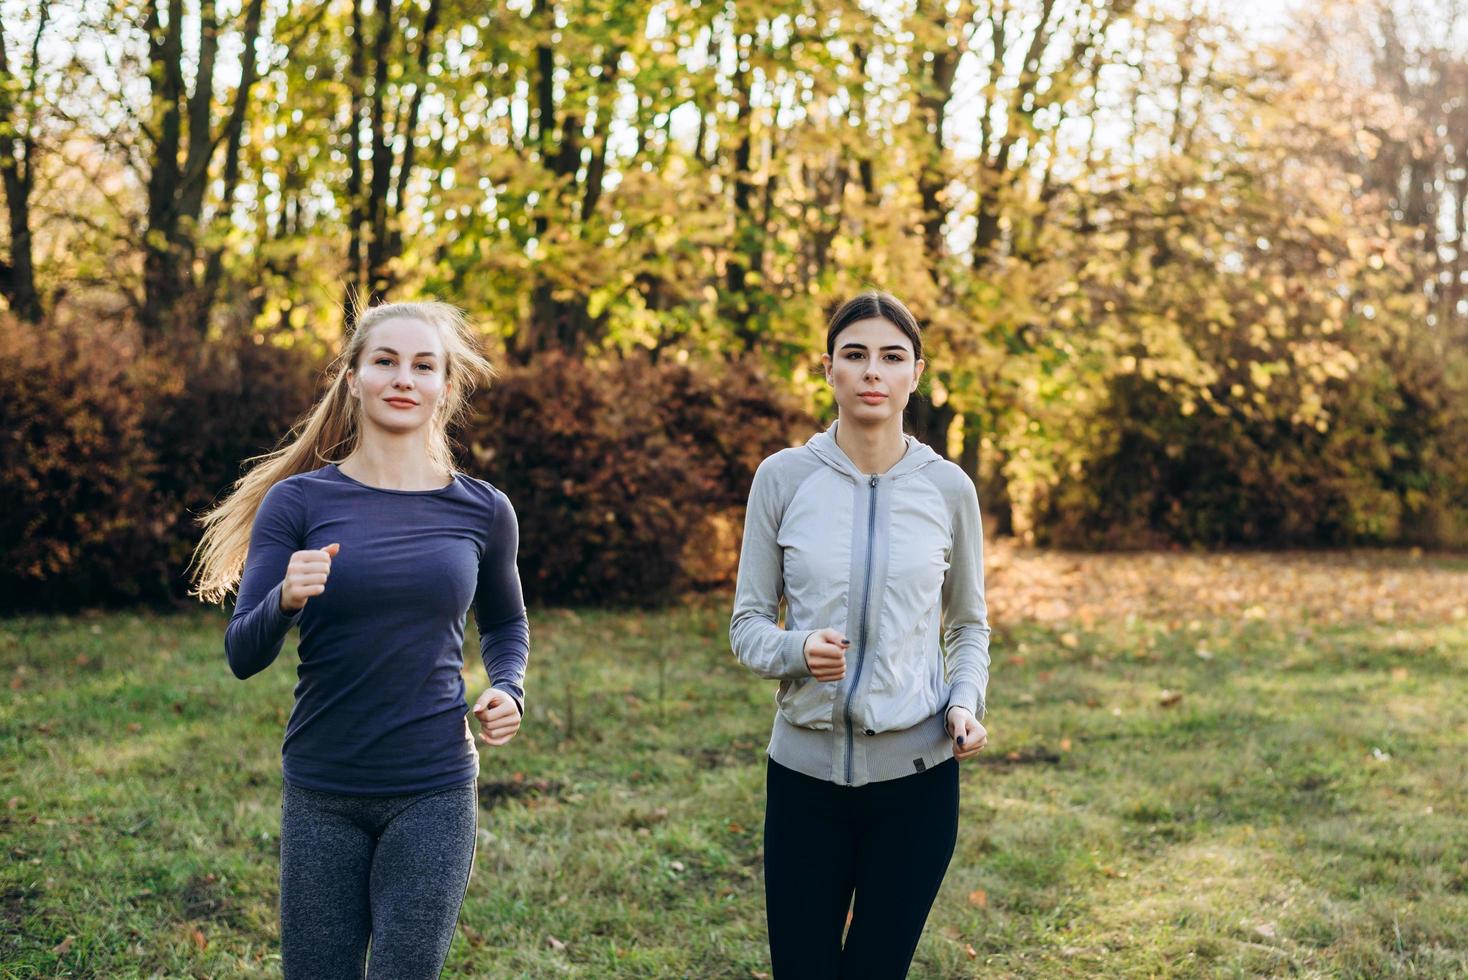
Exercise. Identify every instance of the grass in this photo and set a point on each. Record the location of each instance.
(1225, 796)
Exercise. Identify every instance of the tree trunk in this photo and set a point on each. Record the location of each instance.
(17, 167)
(929, 422)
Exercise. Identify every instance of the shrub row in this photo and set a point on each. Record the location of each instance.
(627, 475)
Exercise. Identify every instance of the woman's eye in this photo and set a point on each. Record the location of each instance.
(425, 367)
(383, 361)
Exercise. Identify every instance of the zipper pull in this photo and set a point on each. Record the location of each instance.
(874, 481)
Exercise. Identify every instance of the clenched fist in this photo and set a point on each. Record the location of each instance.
(305, 576)
(825, 654)
(499, 717)
(969, 737)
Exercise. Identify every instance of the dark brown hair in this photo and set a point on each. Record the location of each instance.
(875, 305)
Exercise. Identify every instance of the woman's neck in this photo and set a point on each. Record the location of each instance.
(873, 448)
(394, 462)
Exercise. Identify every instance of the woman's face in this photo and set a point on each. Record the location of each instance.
(873, 371)
(401, 375)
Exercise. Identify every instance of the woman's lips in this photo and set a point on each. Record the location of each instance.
(401, 402)
(872, 397)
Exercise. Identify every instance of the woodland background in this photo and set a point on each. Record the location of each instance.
(1193, 274)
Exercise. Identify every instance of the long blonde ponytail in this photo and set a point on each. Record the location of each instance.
(329, 432)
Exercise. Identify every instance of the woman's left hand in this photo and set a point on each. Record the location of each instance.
(969, 737)
(499, 717)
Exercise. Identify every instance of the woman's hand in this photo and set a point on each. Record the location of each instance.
(499, 717)
(825, 654)
(305, 576)
(969, 737)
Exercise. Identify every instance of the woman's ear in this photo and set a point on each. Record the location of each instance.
(826, 367)
(918, 372)
(352, 383)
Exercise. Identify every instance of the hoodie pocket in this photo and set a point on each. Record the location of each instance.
(807, 702)
(900, 694)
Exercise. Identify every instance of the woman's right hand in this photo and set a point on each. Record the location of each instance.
(305, 576)
(825, 654)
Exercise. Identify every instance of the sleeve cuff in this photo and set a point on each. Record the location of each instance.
(279, 616)
(793, 654)
(966, 695)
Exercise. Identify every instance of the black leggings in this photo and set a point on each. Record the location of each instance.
(889, 842)
(389, 870)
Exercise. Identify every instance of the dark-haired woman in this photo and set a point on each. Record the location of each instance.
(874, 545)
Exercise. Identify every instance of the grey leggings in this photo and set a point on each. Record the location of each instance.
(386, 870)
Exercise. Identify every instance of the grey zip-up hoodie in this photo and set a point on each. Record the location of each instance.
(892, 560)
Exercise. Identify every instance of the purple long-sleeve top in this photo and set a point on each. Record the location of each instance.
(380, 702)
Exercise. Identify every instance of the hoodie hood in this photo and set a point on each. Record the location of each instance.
(823, 445)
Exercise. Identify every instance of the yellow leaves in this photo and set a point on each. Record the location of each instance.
(1319, 227)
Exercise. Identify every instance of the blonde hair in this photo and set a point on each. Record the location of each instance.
(329, 433)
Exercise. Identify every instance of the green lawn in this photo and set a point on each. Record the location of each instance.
(1227, 796)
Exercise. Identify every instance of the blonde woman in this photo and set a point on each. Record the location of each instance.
(361, 531)
(872, 543)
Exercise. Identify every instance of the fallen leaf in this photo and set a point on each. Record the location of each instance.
(1065, 745)
(978, 898)
(1183, 589)
(1170, 698)
(677, 866)
(134, 727)
(968, 948)
(1069, 640)
(198, 937)
(555, 943)
(63, 947)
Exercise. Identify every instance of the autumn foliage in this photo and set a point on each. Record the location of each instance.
(1184, 280)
